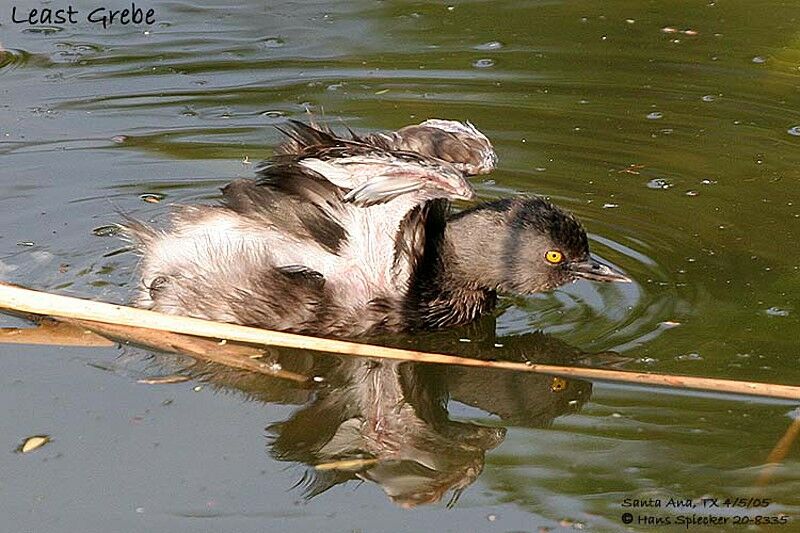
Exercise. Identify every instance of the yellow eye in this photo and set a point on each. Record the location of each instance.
(558, 384)
(554, 257)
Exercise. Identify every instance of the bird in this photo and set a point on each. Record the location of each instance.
(348, 236)
(512, 245)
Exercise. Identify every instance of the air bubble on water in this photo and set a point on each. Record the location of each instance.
(483, 63)
(658, 183)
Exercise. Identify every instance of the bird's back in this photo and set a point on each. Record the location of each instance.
(325, 241)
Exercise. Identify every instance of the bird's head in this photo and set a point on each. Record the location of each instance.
(525, 246)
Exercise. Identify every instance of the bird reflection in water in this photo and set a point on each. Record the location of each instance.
(388, 422)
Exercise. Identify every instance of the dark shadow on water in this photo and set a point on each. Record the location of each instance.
(389, 422)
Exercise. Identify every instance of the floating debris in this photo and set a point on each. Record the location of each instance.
(669, 29)
(794, 130)
(655, 115)
(382, 91)
(689, 357)
(151, 197)
(491, 45)
(44, 30)
(708, 98)
(692, 193)
(108, 230)
(164, 380)
(777, 311)
(272, 114)
(272, 42)
(633, 168)
(610, 206)
(33, 443)
(566, 522)
(119, 139)
(759, 60)
(26, 243)
(198, 388)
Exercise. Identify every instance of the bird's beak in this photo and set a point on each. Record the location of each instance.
(597, 271)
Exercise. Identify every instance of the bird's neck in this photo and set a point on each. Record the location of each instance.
(472, 253)
(458, 280)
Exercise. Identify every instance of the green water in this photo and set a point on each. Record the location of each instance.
(672, 129)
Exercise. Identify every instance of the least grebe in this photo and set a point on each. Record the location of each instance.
(350, 236)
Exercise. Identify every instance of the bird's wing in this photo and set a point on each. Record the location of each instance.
(460, 144)
(303, 208)
(364, 173)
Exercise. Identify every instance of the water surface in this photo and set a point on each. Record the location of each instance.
(671, 129)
